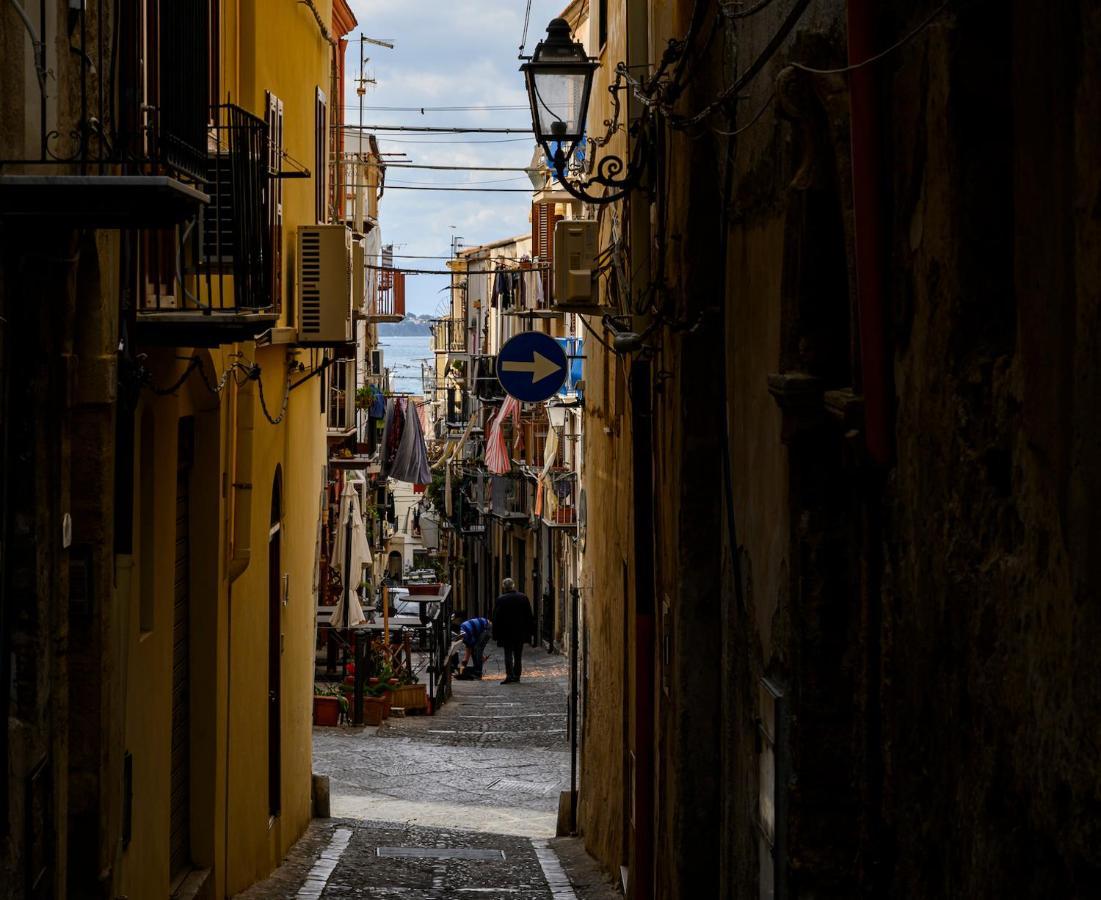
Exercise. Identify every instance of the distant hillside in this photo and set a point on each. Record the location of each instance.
(410, 326)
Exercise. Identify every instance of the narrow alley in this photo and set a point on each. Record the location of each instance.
(463, 803)
(736, 364)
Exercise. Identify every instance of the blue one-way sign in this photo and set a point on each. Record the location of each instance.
(532, 366)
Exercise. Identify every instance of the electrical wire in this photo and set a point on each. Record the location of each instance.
(401, 141)
(744, 13)
(753, 120)
(456, 184)
(901, 42)
(473, 189)
(435, 129)
(589, 328)
(774, 44)
(452, 168)
(424, 109)
(527, 21)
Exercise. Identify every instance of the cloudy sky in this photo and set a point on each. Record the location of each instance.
(448, 53)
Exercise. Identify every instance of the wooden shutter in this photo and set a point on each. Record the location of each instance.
(321, 144)
(543, 219)
(274, 118)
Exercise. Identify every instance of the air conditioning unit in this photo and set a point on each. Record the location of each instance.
(324, 284)
(359, 271)
(575, 277)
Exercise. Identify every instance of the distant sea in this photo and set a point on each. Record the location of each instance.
(403, 356)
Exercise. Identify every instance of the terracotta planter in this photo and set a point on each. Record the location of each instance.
(424, 590)
(326, 711)
(411, 696)
(373, 710)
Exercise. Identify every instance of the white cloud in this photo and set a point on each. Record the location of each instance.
(448, 53)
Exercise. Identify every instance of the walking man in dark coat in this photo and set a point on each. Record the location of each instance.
(513, 624)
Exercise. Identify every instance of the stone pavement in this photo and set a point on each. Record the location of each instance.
(474, 787)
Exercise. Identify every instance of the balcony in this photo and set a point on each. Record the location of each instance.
(449, 336)
(531, 292)
(340, 415)
(509, 498)
(389, 302)
(209, 281)
(486, 386)
(560, 499)
(133, 154)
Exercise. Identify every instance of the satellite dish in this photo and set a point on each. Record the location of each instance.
(537, 170)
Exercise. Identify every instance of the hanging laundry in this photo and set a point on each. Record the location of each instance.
(410, 461)
(376, 406)
(497, 459)
(502, 289)
(392, 429)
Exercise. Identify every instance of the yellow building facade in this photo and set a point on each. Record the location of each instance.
(161, 742)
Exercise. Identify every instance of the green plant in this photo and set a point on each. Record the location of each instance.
(333, 690)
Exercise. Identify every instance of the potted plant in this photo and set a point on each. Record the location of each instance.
(363, 397)
(329, 705)
(409, 694)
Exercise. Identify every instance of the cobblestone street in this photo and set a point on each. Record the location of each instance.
(460, 804)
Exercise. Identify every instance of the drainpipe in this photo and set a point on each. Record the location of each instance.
(868, 229)
(641, 859)
(641, 856)
(242, 424)
(875, 372)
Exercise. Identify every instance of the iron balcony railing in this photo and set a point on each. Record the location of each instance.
(509, 497)
(389, 304)
(184, 84)
(220, 261)
(141, 92)
(560, 499)
(486, 385)
(449, 336)
(235, 224)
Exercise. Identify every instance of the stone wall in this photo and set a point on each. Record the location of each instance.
(925, 621)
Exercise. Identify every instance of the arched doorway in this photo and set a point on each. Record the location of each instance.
(394, 565)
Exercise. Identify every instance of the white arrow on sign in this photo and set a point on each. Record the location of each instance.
(540, 367)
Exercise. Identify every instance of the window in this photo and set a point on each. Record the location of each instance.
(320, 162)
(602, 23)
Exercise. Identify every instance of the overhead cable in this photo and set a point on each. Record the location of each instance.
(424, 109)
(901, 42)
(774, 44)
(468, 190)
(448, 271)
(452, 168)
(390, 140)
(527, 21)
(435, 129)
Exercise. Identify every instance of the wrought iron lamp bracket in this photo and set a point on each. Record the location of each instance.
(611, 172)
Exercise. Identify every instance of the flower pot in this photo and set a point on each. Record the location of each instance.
(326, 711)
(424, 590)
(373, 710)
(411, 696)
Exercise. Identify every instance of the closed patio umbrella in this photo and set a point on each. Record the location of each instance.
(351, 554)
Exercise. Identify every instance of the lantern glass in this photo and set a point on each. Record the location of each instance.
(559, 100)
(559, 78)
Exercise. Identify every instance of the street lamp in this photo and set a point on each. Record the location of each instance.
(559, 78)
